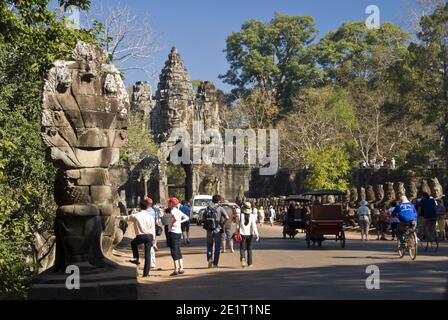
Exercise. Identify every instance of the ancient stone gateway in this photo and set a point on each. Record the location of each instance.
(84, 120)
(176, 105)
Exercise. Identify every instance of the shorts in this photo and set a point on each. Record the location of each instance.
(364, 224)
(227, 234)
(185, 226)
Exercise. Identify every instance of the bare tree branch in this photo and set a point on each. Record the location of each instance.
(128, 37)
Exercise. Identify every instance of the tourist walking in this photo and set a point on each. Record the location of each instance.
(429, 207)
(376, 223)
(174, 235)
(154, 214)
(214, 218)
(394, 220)
(272, 215)
(441, 216)
(255, 212)
(185, 208)
(261, 216)
(144, 229)
(226, 237)
(364, 219)
(165, 217)
(384, 222)
(247, 227)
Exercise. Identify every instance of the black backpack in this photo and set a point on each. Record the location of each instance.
(210, 218)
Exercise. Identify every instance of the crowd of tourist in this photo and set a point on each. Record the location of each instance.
(224, 224)
(426, 214)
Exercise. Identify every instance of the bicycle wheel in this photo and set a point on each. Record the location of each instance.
(400, 249)
(413, 245)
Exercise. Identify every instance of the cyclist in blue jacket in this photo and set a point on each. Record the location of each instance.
(407, 215)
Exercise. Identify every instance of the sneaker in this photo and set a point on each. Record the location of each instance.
(233, 251)
(215, 267)
(250, 266)
(243, 263)
(188, 241)
(134, 262)
(182, 271)
(174, 273)
(210, 264)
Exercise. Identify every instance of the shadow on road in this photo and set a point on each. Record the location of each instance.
(417, 280)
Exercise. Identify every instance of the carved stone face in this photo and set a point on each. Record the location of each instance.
(174, 114)
(379, 192)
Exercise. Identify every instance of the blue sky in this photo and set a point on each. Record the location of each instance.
(198, 28)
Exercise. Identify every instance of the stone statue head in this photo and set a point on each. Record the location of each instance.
(84, 110)
(370, 194)
(379, 193)
(436, 188)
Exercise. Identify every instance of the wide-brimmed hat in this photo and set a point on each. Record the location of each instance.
(247, 207)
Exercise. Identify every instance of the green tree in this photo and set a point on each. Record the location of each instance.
(322, 117)
(424, 75)
(139, 143)
(277, 57)
(329, 168)
(354, 51)
(31, 38)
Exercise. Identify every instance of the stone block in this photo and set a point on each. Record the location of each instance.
(101, 193)
(73, 174)
(72, 195)
(95, 176)
(95, 138)
(107, 208)
(114, 283)
(95, 119)
(78, 210)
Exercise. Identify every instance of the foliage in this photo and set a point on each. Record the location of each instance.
(330, 167)
(139, 142)
(322, 117)
(277, 57)
(31, 38)
(353, 51)
(424, 75)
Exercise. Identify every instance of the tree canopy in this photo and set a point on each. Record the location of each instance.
(277, 57)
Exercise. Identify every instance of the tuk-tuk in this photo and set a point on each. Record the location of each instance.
(296, 215)
(325, 219)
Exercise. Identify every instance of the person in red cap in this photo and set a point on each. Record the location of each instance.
(175, 234)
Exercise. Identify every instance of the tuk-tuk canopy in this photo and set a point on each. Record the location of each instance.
(297, 198)
(324, 192)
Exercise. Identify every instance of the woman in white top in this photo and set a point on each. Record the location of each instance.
(247, 226)
(175, 234)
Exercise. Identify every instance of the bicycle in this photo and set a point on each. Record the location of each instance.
(410, 244)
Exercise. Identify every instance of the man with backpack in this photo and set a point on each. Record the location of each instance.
(214, 219)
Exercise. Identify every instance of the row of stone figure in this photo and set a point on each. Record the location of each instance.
(373, 194)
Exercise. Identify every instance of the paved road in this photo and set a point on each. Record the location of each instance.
(286, 269)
